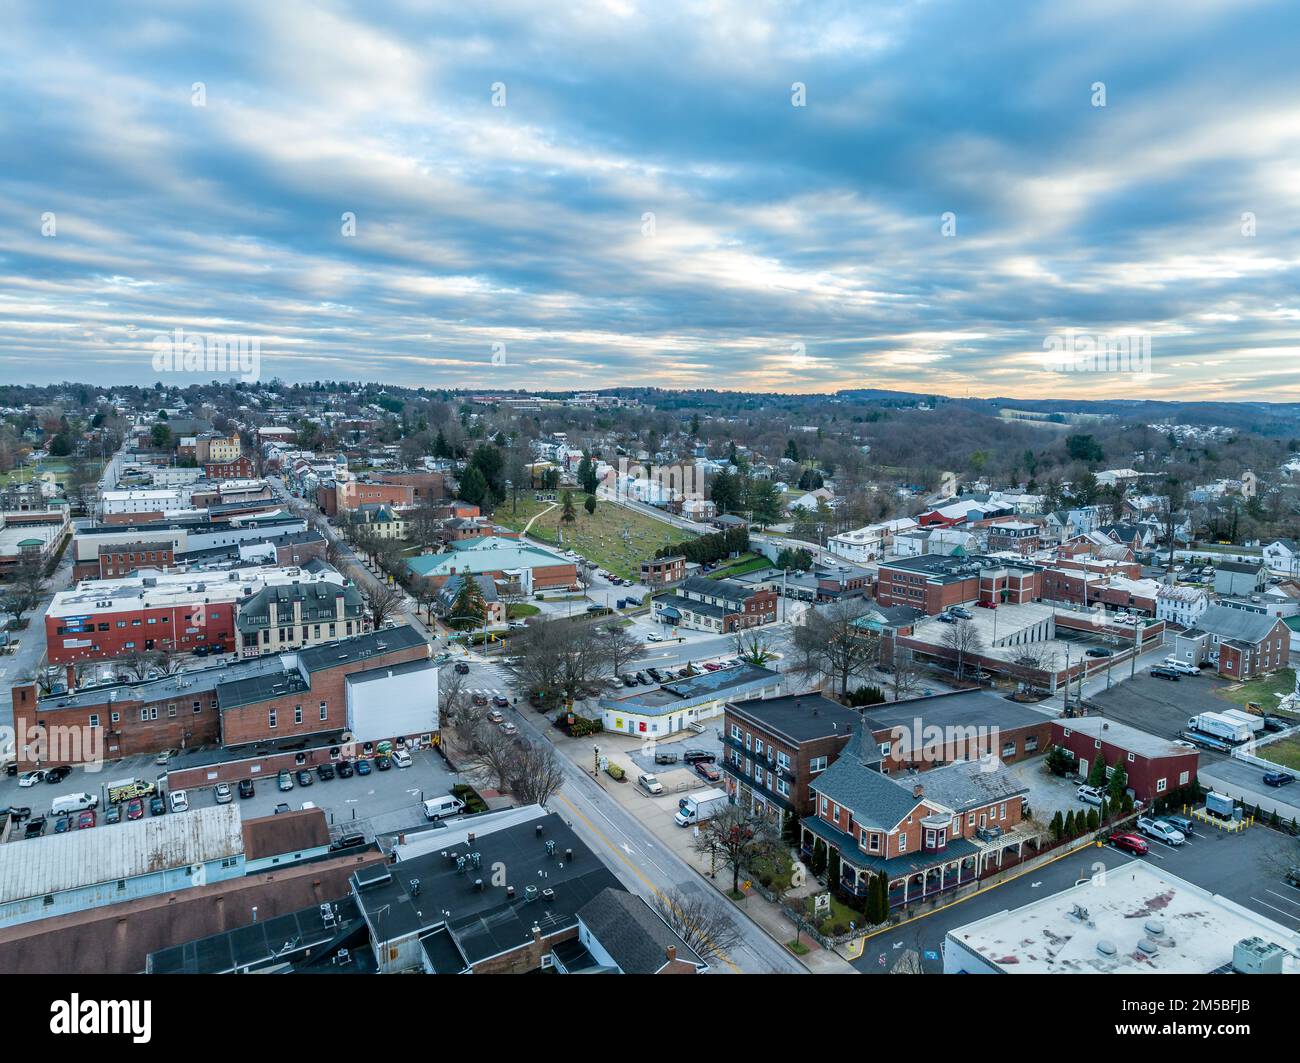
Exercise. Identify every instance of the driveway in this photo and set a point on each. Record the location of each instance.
(1158, 706)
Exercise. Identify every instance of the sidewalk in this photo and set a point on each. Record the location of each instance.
(655, 814)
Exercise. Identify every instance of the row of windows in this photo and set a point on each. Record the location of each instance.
(273, 715)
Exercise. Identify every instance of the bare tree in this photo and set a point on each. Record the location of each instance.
(904, 676)
(963, 638)
(619, 645)
(382, 604)
(699, 920)
(538, 773)
(736, 837)
(831, 643)
(495, 755)
(26, 587)
(753, 646)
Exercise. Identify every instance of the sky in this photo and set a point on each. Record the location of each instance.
(963, 198)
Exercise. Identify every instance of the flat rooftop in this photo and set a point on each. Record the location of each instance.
(799, 717)
(1130, 739)
(1194, 930)
(961, 708)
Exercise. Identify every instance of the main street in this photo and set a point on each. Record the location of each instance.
(644, 865)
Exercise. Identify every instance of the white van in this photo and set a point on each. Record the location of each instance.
(400, 758)
(447, 805)
(72, 803)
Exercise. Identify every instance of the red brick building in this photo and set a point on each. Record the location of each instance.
(257, 700)
(663, 571)
(241, 468)
(1155, 766)
(935, 582)
(123, 560)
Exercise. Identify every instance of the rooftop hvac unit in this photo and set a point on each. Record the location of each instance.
(1257, 956)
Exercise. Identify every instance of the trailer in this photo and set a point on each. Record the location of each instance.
(1255, 723)
(1204, 741)
(1217, 725)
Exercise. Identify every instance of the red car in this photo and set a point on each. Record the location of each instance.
(135, 808)
(708, 771)
(1130, 842)
(987, 605)
(86, 819)
(712, 667)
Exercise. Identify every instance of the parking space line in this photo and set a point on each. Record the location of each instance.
(1289, 915)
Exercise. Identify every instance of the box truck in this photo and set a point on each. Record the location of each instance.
(1255, 723)
(700, 807)
(1219, 726)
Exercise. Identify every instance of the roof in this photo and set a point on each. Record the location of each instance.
(1230, 623)
(117, 938)
(876, 800)
(632, 932)
(705, 687)
(967, 784)
(1251, 567)
(1129, 739)
(465, 556)
(289, 832)
(961, 708)
(798, 717)
(1194, 931)
(61, 862)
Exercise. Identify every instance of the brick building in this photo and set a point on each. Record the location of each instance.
(123, 560)
(936, 582)
(256, 700)
(928, 835)
(719, 605)
(290, 616)
(663, 571)
(775, 747)
(1154, 766)
(240, 468)
(1239, 643)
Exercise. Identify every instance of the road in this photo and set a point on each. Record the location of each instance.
(645, 866)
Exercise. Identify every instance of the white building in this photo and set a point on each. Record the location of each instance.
(868, 543)
(1132, 919)
(1181, 605)
(152, 500)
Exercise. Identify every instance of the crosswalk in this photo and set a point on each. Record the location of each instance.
(489, 692)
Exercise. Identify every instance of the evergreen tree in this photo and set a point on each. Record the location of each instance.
(1057, 826)
(1097, 773)
(589, 504)
(1070, 830)
(567, 514)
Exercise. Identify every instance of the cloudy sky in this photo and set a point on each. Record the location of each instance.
(593, 194)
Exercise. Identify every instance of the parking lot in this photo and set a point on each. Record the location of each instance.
(378, 803)
(1159, 706)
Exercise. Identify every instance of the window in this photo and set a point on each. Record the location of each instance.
(970, 820)
(1162, 785)
(94, 719)
(1131, 758)
(1184, 778)
(825, 806)
(324, 711)
(902, 843)
(758, 746)
(271, 718)
(1066, 732)
(198, 707)
(835, 813)
(1009, 748)
(297, 714)
(1002, 810)
(817, 764)
(171, 710)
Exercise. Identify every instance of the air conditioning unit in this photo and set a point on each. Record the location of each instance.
(1257, 956)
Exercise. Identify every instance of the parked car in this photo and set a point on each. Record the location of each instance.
(1165, 673)
(1089, 795)
(695, 756)
(157, 806)
(347, 841)
(1276, 723)
(363, 766)
(1130, 843)
(31, 778)
(1161, 831)
(113, 814)
(35, 827)
(62, 825)
(345, 769)
(712, 667)
(247, 788)
(650, 784)
(946, 618)
(382, 763)
(164, 757)
(501, 701)
(1099, 651)
(1180, 823)
(652, 637)
(305, 777)
(708, 771)
(57, 774)
(284, 781)
(223, 793)
(86, 819)
(1278, 778)
(1292, 876)
(324, 772)
(961, 614)
(665, 758)
(135, 808)
(16, 812)
(180, 801)
(479, 699)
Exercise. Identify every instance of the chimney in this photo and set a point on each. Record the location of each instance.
(917, 790)
(671, 952)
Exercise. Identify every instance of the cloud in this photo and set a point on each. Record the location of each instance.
(648, 207)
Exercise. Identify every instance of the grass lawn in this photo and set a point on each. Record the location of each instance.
(1262, 690)
(1286, 752)
(797, 947)
(779, 870)
(517, 610)
(744, 563)
(615, 538)
(841, 914)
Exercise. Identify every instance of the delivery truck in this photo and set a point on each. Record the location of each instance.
(1219, 726)
(700, 807)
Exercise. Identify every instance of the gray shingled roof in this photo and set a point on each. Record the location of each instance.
(632, 933)
(968, 784)
(876, 800)
(1230, 623)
